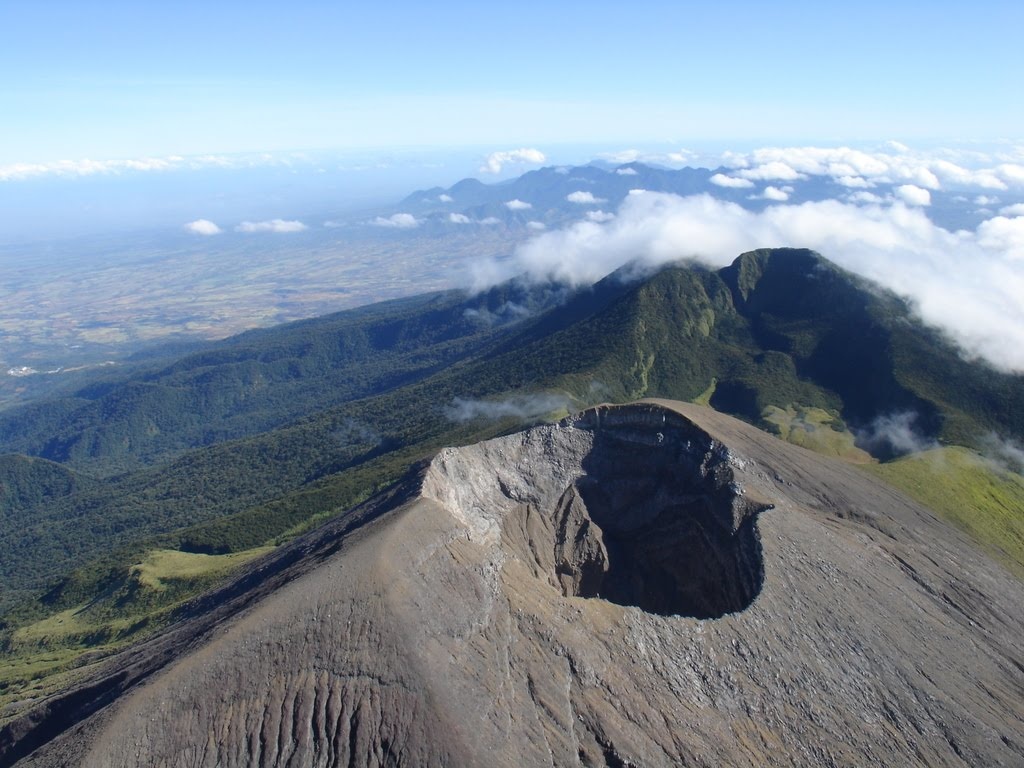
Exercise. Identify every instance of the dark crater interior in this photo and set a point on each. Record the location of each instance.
(657, 522)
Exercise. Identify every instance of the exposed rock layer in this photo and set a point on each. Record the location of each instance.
(654, 584)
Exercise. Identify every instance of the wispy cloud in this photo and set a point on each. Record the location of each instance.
(518, 205)
(444, 198)
(894, 434)
(203, 227)
(967, 283)
(675, 158)
(518, 406)
(498, 160)
(397, 221)
(279, 226)
(88, 167)
(626, 171)
(458, 218)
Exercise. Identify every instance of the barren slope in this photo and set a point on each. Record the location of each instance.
(655, 584)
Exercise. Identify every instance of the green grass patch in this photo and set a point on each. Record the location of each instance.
(704, 398)
(45, 656)
(815, 429)
(980, 497)
(161, 567)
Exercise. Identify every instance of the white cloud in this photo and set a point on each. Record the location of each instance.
(490, 220)
(912, 195)
(776, 194)
(968, 284)
(518, 205)
(599, 216)
(584, 198)
(895, 164)
(677, 158)
(854, 182)
(960, 176)
(273, 225)
(1011, 173)
(397, 221)
(203, 227)
(731, 182)
(865, 197)
(445, 198)
(982, 200)
(775, 170)
(1017, 209)
(536, 225)
(626, 171)
(458, 218)
(1005, 235)
(498, 160)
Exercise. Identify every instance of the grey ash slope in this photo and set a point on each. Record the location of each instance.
(460, 623)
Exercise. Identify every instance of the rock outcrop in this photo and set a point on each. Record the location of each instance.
(654, 584)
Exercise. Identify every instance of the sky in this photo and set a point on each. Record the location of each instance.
(113, 80)
(257, 117)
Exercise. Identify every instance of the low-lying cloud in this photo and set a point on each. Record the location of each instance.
(517, 406)
(968, 284)
(518, 205)
(280, 226)
(397, 221)
(730, 182)
(894, 435)
(203, 227)
(498, 160)
(581, 197)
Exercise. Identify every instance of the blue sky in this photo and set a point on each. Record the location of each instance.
(120, 80)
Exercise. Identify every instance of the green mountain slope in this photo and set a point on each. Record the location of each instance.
(353, 399)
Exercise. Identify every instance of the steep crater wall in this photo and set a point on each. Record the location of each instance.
(631, 504)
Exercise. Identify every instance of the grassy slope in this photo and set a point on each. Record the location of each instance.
(973, 493)
(50, 653)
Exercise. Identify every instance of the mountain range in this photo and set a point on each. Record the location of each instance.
(128, 497)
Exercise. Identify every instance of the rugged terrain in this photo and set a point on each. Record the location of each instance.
(652, 584)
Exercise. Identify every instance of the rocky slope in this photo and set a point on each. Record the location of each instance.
(654, 584)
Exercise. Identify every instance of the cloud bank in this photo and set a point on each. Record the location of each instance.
(279, 226)
(498, 160)
(203, 227)
(968, 284)
(895, 164)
